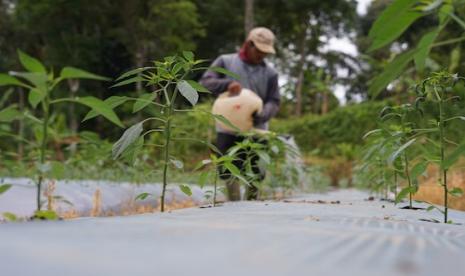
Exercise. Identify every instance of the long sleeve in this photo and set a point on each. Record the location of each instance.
(272, 102)
(215, 82)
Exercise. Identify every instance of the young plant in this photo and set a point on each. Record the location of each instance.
(439, 90)
(41, 85)
(404, 133)
(217, 164)
(170, 81)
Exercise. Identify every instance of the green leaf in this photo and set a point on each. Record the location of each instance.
(453, 157)
(76, 73)
(113, 101)
(39, 80)
(9, 80)
(390, 73)
(9, 114)
(223, 71)
(225, 121)
(143, 101)
(185, 189)
(424, 47)
(142, 196)
(31, 64)
(129, 136)
(46, 215)
(35, 96)
(404, 192)
(58, 169)
(177, 163)
(394, 155)
(430, 208)
(188, 92)
(4, 188)
(457, 19)
(392, 22)
(203, 178)
(265, 157)
(10, 216)
(188, 55)
(456, 191)
(101, 108)
(129, 81)
(419, 169)
(133, 72)
(197, 86)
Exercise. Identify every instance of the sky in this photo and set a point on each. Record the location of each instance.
(344, 45)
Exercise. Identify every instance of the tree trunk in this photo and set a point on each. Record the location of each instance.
(248, 17)
(300, 78)
(73, 123)
(324, 103)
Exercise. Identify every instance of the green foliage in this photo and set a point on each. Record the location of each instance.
(320, 134)
(170, 77)
(41, 85)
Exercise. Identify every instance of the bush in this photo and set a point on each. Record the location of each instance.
(332, 134)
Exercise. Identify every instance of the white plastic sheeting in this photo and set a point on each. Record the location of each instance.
(115, 198)
(340, 233)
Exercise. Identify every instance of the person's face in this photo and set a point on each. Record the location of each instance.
(254, 54)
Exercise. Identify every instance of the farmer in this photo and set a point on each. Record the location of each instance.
(255, 75)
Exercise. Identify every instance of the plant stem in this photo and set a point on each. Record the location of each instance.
(214, 188)
(443, 141)
(165, 165)
(170, 105)
(409, 181)
(45, 108)
(395, 187)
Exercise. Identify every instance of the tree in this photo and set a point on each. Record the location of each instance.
(301, 27)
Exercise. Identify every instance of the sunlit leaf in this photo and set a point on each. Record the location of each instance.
(390, 73)
(46, 215)
(129, 136)
(9, 114)
(456, 191)
(142, 196)
(9, 80)
(76, 73)
(143, 101)
(197, 86)
(188, 92)
(400, 150)
(113, 101)
(31, 64)
(4, 188)
(35, 96)
(10, 216)
(424, 47)
(223, 71)
(186, 190)
(101, 108)
(392, 22)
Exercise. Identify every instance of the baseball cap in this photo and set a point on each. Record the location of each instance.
(263, 39)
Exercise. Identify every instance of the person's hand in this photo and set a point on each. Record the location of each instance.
(234, 88)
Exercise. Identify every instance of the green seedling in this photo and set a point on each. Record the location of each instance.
(217, 164)
(41, 85)
(404, 136)
(439, 90)
(170, 81)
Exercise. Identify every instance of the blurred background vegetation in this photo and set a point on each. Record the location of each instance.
(110, 37)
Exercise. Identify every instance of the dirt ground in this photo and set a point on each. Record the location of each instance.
(432, 192)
